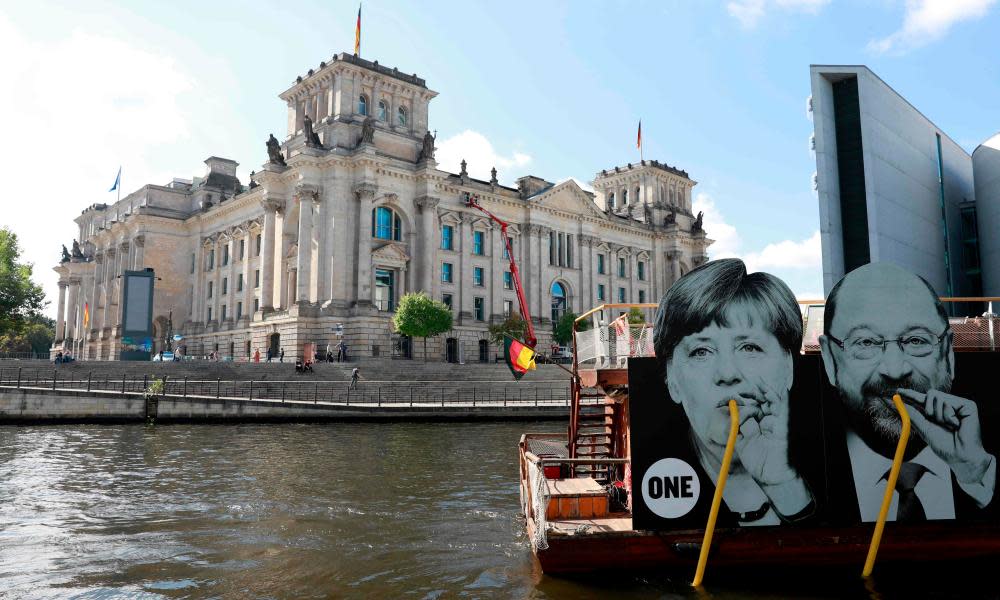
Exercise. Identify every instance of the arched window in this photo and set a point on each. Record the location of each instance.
(559, 301)
(611, 200)
(386, 224)
(401, 116)
(624, 197)
(637, 194)
(362, 105)
(382, 110)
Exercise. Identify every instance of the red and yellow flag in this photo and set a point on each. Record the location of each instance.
(638, 139)
(86, 314)
(357, 34)
(519, 357)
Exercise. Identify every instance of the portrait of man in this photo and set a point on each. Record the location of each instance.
(886, 332)
(721, 334)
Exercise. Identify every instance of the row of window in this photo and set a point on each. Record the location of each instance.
(672, 197)
(478, 276)
(240, 254)
(239, 283)
(479, 306)
(478, 241)
(382, 112)
(602, 295)
(223, 314)
(640, 267)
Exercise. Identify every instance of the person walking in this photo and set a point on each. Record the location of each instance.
(256, 355)
(268, 354)
(281, 355)
(354, 379)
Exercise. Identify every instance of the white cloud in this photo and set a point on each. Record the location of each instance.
(77, 108)
(750, 12)
(790, 260)
(480, 155)
(926, 21)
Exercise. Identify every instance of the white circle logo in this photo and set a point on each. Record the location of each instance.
(670, 488)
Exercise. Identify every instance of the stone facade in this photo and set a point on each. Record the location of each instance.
(358, 215)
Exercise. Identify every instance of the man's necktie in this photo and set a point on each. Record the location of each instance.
(909, 507)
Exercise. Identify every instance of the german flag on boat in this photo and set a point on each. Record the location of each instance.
(520, 358)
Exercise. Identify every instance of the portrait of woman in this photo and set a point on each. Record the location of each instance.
(721, 334)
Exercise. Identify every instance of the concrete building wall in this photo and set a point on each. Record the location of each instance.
(986, 163)
(903, 193)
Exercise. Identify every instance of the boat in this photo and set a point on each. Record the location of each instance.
(576, 485)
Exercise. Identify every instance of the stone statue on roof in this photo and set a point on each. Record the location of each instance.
(697, 226)
(312, 138)
(76, 250)
(427, 151)
(274, 151)
(65, 254)
(368, 130)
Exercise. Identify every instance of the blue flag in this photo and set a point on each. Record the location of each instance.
(117, 180)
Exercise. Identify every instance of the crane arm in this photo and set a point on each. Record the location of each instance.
(473, 201)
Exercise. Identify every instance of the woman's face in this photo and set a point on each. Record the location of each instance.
(742, 361)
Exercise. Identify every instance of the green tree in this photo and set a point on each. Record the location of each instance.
(563, 332)
(419, 316)
(635, 317)
(21, 299)
(514, 326)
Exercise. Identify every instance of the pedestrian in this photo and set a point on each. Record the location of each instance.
(281, 355)
(354, 379)
(59, 357)
(256, 355)
(340, 351)
(346, 358)
(268, 354)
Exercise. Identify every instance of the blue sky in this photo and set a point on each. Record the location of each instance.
(553, 89)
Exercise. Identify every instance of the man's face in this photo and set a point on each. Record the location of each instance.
(879, 302)
(716, 364)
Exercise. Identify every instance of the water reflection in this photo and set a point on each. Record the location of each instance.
(308, 511)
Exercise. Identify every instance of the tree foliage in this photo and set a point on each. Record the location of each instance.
(635, 317)
(514, 326)
(419, 316)
(563, 332)
(21, 299)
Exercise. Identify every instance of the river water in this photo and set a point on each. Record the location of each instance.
(424, 510)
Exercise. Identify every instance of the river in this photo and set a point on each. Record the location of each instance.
(423, 510)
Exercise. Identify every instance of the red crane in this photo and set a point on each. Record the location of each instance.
(472, 201)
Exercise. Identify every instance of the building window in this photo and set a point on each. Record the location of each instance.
(600, 292)
(209, 313)
(621, 295)
(624, 197)
(382, 110)
(211, 259)
(447, 237)
(192, 263)
(210, 286)
(636, 194)
(401, 116)
(225, 286)
(552, 247)
(258, 241)
(239, 311)
(477, 276)
(239, 282)
(243, 249)
(256, 278)
(641, 270)
(478, 247)
(600, 264)
(385, 288)
(480, 312)
(508, 280)
(508, 308)
(611, 200)
(446, 275)
(446, 299)
(558, 301)
(386, 224)
(642, 296)
(506, 254)
(225, 255)
(224, 312)
(362, 105)
(256, 304)
(621, 266)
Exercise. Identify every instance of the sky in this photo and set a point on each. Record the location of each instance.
(553, 89)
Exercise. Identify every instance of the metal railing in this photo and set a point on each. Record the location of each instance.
(366, 392)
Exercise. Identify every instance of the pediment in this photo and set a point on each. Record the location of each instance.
(391, 252)
(604, 247)
(481, 223)
(568, 196)
(643, 254)
(448, 217)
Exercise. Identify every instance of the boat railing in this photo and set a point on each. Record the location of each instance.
(608, 335)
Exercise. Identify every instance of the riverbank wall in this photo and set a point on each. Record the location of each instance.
(32, 405)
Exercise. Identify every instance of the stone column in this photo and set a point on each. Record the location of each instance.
(542, 259)
(61, 314)
(497, 268)
(246, 294)
(139, 243)
(267, 262)
(675, 265)
(427, 207)
(365, 194)
(74, 310)
(305, 195)
(109, 278)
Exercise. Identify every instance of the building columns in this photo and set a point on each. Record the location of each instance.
(365, 194)
(267, 262)
(61, 315)
(427, 206)
(74, 298)
(305, 195)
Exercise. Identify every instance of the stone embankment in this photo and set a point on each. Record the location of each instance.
(35, 391)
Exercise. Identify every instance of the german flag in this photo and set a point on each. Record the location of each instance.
(519, 357)
(86, 314)
(357, 34)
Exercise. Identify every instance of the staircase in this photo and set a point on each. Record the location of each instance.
(592, 430)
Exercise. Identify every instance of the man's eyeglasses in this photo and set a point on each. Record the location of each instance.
(866, 347)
